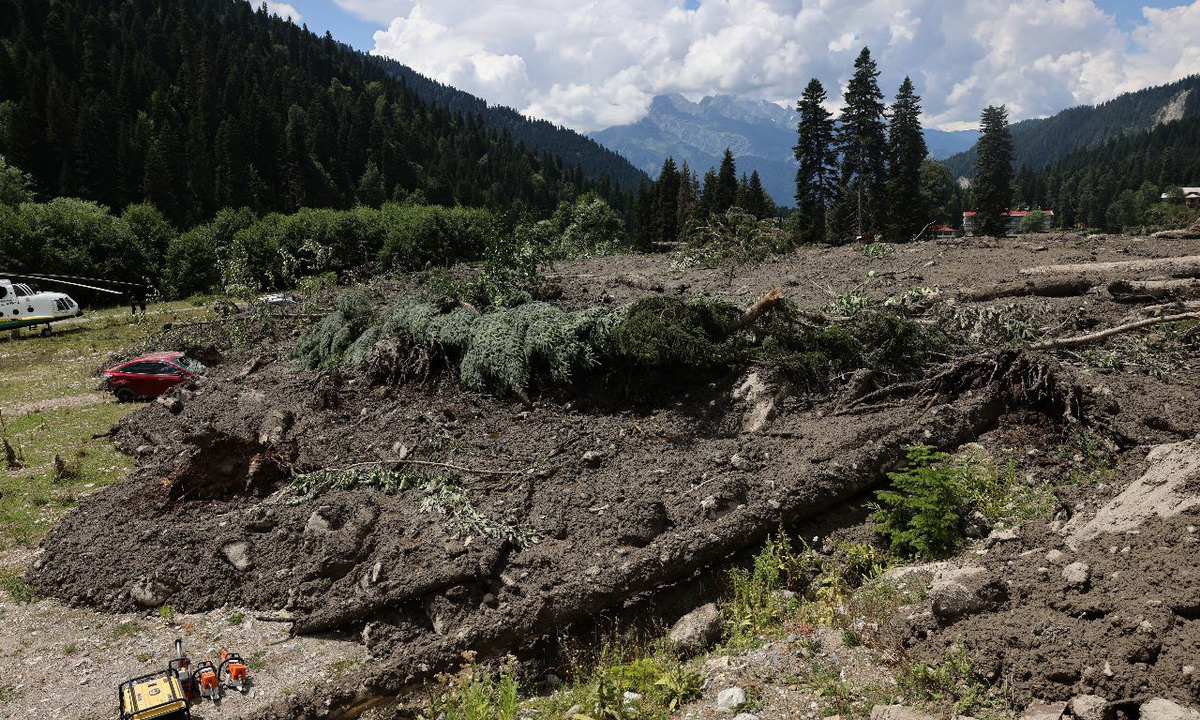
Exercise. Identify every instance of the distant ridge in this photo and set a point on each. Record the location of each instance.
(1038, 143)
(760, 134)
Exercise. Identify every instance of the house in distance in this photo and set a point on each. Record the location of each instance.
(1015, 219)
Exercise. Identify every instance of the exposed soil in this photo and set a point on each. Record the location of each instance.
(551, 512)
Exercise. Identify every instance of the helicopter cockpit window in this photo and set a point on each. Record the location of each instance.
(3, 292)
(22, 290)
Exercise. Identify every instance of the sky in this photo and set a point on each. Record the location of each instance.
(591, 64)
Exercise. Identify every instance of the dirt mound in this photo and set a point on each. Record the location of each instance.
(1111, 611)
(523, 521)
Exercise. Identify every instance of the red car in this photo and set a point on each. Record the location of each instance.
(149, 376)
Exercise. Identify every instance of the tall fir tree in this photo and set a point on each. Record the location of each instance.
(907, 215)
(816, 178)
(727, 184)
(991, 191)
(666, 203)
(753, 198)
(862, 144)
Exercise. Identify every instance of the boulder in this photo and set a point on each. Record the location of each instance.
(698, 630)
(1163, 709)
(1088, 707)
(730, 699)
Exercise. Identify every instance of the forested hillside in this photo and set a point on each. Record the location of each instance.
(1038, 143)
(202, 105)
(1119, 184)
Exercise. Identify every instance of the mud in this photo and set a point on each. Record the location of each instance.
(525, 519)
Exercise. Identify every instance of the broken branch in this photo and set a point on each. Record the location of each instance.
(1101, 335)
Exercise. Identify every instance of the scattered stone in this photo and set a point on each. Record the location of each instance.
(730, 699)
(1042, 710)
(149, 592)
(745, 716)
(698, 630)
(964, 591)
(593, 458)
(237, 554)
(1163, 709)
(173, 404)
(1088, 707)
(739, 462)
(998, 536)
(898, 712)
(1055, 556)
(1077, 574)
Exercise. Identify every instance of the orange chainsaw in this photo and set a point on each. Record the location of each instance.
(232, 672)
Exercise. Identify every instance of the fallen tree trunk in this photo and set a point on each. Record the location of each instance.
(1187, 266)
(1035, 287)
(1153, 290)
(1071, 342)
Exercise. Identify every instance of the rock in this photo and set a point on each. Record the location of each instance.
(1042, 710)
(698, 630)
(976, 525)
(237, 554)
(963, 591)
(593, 458)
(1163, 709)
(730, 699)
(1088, 707)
(745, 716)
(898, 712)
(1055, 557)
(1077, 574)
(998, 536)
(173, 404)
(149, 592)
(739, 462)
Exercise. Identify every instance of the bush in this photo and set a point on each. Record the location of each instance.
(921, 514)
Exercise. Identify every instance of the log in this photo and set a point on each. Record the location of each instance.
(1187, 266)
(1078, 340)
(1151, 290)
(641, 282)
(1037, 287)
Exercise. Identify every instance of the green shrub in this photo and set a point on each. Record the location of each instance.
(757, 606)
(921, 514)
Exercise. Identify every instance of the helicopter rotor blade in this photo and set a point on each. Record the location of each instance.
(75, 284)
(63, 278)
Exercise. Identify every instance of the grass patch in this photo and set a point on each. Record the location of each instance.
(61, 461)
(128, 628)
(12, 581)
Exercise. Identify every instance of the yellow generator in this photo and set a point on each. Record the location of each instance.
(157, 695)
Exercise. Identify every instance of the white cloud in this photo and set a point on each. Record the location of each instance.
(596, 63)
(284, 11)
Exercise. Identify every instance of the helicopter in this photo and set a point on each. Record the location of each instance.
(22, 306)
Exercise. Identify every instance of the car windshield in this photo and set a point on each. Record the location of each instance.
(189, 364)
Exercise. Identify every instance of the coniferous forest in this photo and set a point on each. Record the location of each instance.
(206, 104)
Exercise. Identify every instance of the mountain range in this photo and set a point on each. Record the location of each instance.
(759, 133)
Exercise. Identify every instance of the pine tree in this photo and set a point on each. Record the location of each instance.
(816, 178)
(991, 191)
(753, 198)
(906, 151)
(666, 203)
(727, 184)
(862, 143)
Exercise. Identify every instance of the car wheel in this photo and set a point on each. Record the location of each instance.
(125, 395)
